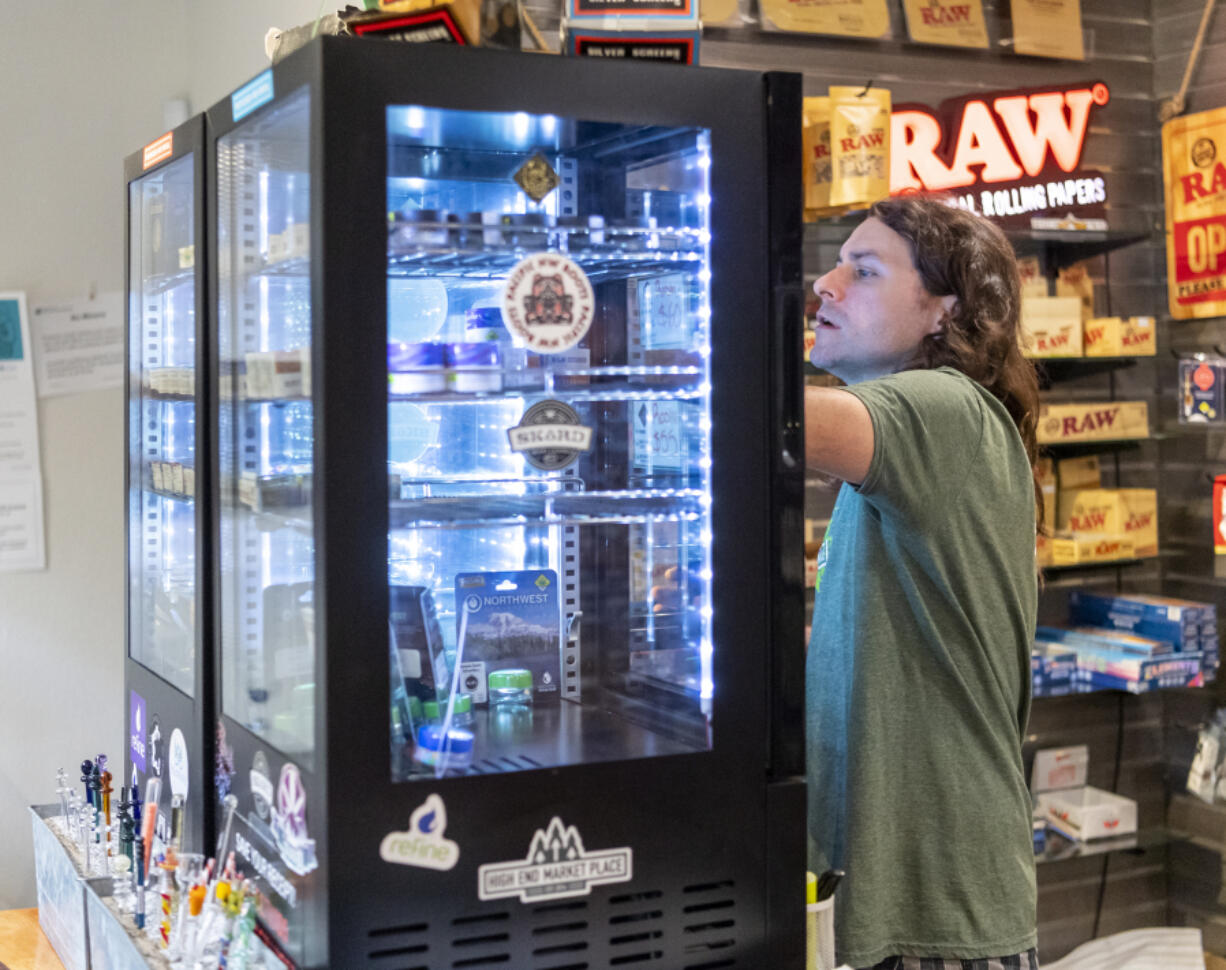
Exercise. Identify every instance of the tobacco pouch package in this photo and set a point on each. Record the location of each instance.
(818, 172)
(859, 145)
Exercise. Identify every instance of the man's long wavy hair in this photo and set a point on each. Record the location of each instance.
(959, 253)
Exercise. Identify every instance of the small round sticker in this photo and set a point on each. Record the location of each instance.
(1203, 376)
(178, 763)
(548, 303)
(261, 784)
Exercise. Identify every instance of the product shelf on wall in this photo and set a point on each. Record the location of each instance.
(1060, 849)
(1059, 247)
(1055, 370)
(1081, 567)
(1077, 448)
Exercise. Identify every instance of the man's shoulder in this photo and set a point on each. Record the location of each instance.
(942, 386)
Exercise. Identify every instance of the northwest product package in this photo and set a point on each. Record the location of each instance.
(508, 621)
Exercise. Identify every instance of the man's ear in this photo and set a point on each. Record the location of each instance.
(943, 310)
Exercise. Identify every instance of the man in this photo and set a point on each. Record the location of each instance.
(918, 679)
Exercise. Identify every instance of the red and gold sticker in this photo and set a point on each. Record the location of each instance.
(548, 303)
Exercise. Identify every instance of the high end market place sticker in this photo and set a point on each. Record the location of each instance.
(557, 866)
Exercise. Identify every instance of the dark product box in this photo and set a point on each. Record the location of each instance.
(665, 46)
(1176, 621)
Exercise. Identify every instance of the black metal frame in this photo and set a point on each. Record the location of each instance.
(717, 836)
(195, 715)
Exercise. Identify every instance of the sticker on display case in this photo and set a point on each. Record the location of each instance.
(157, 151)
(548, 303)
(537, 177)
(255, 93)
(154, 747)
(260, 781)
(289, 826)
(179, 773)
(223, 764)
(557, 866)
(423, 845)
(550, 436)
(136, 731)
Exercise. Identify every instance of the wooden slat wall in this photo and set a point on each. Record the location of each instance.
(1124, 144)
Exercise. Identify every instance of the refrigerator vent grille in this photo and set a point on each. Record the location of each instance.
(653, 930)
(708, 925)
(402, 942)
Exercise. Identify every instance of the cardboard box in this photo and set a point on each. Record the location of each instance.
(660, 45)
(418, 21)
(1131, 512)
(1108, 669)
(1109, 421)
(1075, 549)
(1092, 510)
(1089, 813)
(1042, 549)
(1056, 768)
(1046, 474)
(1051, 326)
(1176, 621)
(1120, 337)
(1074, 282)
(1078, 473)
(1141, 519)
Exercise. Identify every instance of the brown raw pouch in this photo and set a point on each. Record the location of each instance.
(817, 168)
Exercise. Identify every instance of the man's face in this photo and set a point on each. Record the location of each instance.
(875, 310)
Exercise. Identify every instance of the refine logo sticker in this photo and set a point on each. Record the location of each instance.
(423, 844)
(557, 866)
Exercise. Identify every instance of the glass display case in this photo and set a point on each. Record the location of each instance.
(169, 661)
(507, 425)
(549, 600)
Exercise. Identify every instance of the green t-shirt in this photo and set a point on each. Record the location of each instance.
(918, 680)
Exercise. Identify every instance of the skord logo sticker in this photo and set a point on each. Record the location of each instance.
(550, 436)
(548, 303)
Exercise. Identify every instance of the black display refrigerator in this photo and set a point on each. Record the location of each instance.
(508, 491)
(168, 665)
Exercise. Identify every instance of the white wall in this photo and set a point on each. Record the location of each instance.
(76, 96)
(227, 41)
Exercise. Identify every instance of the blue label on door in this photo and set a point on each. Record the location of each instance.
(251, 95)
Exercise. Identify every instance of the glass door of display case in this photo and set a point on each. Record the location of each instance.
(265, 434)
(168, 668)
(162, 446)
(549, 441)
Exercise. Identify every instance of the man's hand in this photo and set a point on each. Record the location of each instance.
(838, 434)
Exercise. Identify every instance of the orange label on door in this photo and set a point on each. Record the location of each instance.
(158, 150)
